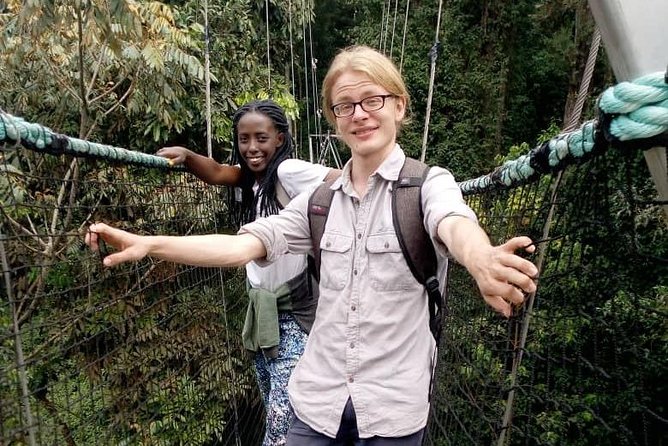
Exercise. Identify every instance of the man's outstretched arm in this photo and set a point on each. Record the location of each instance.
(501, 274)
(199, 250)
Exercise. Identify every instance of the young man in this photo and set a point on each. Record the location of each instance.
(365, 373)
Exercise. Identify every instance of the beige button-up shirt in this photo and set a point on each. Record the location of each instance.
(370, 340)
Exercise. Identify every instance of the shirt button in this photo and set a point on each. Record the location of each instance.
(352, 345)
(359, 236)
(355, 272)
(353, 307)
(328, 244)
(387, 245)
(351, 379)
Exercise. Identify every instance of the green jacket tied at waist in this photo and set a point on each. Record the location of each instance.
(261, 325)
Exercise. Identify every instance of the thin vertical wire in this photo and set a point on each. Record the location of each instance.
(386, 27)
(394, 25)
(207, 79)
(292, 78)
(306, 83)
(18, 346)
(382, 25)
(434, 54)
(266, 3)
(403, 39)
(292, 54)
(314, 80)
(574, 117)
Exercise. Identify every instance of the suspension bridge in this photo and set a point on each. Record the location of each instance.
(152, 350)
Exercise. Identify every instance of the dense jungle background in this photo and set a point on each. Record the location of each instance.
(133, 74)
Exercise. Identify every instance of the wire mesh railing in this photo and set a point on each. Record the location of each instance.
(149, 353)
(589, 367)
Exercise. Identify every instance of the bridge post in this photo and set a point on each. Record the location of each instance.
(634, 36)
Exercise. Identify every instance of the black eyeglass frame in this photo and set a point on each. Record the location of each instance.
(361, 104)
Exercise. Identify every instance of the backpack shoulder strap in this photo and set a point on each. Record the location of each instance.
(415, 243)
(318, 210)
(281, 194)
(407, 216)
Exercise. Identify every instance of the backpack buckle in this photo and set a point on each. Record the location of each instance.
(431, 284)
(435, 307)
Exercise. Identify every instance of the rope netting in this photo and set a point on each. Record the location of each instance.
(590, 370)
(150, 353)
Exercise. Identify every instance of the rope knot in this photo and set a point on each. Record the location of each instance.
(636, 110)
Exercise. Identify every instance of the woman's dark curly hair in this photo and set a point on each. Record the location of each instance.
(245, 211)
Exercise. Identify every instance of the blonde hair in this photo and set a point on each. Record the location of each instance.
(378, 67)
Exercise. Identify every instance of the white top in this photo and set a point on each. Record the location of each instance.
(295, 176)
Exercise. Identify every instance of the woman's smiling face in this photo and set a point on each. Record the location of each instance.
(258, 141)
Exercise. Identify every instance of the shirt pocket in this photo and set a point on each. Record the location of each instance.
(336, 254)
(388, 270)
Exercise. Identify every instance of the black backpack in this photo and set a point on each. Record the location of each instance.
(407, 215)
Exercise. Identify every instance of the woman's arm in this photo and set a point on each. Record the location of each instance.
(204, 168)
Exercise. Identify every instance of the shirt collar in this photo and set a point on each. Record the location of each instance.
(388, 170)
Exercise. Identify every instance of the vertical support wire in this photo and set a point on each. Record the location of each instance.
(434, 54)
(573, 119)
(306, 83)
(292, 54)
(207, 80)
(266, 3)
(403, 38)
(292, 79)
(382, 29)
(314, 76)
(20, 358)
(394, 26)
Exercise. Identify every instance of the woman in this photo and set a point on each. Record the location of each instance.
(281, 299)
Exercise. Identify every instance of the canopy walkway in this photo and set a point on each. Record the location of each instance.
(150, 353)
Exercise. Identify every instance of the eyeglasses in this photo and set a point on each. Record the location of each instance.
(368, 104)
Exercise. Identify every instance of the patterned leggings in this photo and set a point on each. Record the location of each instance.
(273, 376)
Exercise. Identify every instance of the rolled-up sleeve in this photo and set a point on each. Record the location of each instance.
(441, 198)
(286, 232)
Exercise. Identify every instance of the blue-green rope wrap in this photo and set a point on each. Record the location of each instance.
(36, 137)
(633, 114)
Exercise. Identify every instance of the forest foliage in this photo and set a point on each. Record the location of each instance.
(131, 73)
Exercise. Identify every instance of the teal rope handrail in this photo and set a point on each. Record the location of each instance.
(631, 112)
(39, 138)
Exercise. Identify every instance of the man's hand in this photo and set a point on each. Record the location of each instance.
(209, 250)
(130, 247)
(502, 275)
